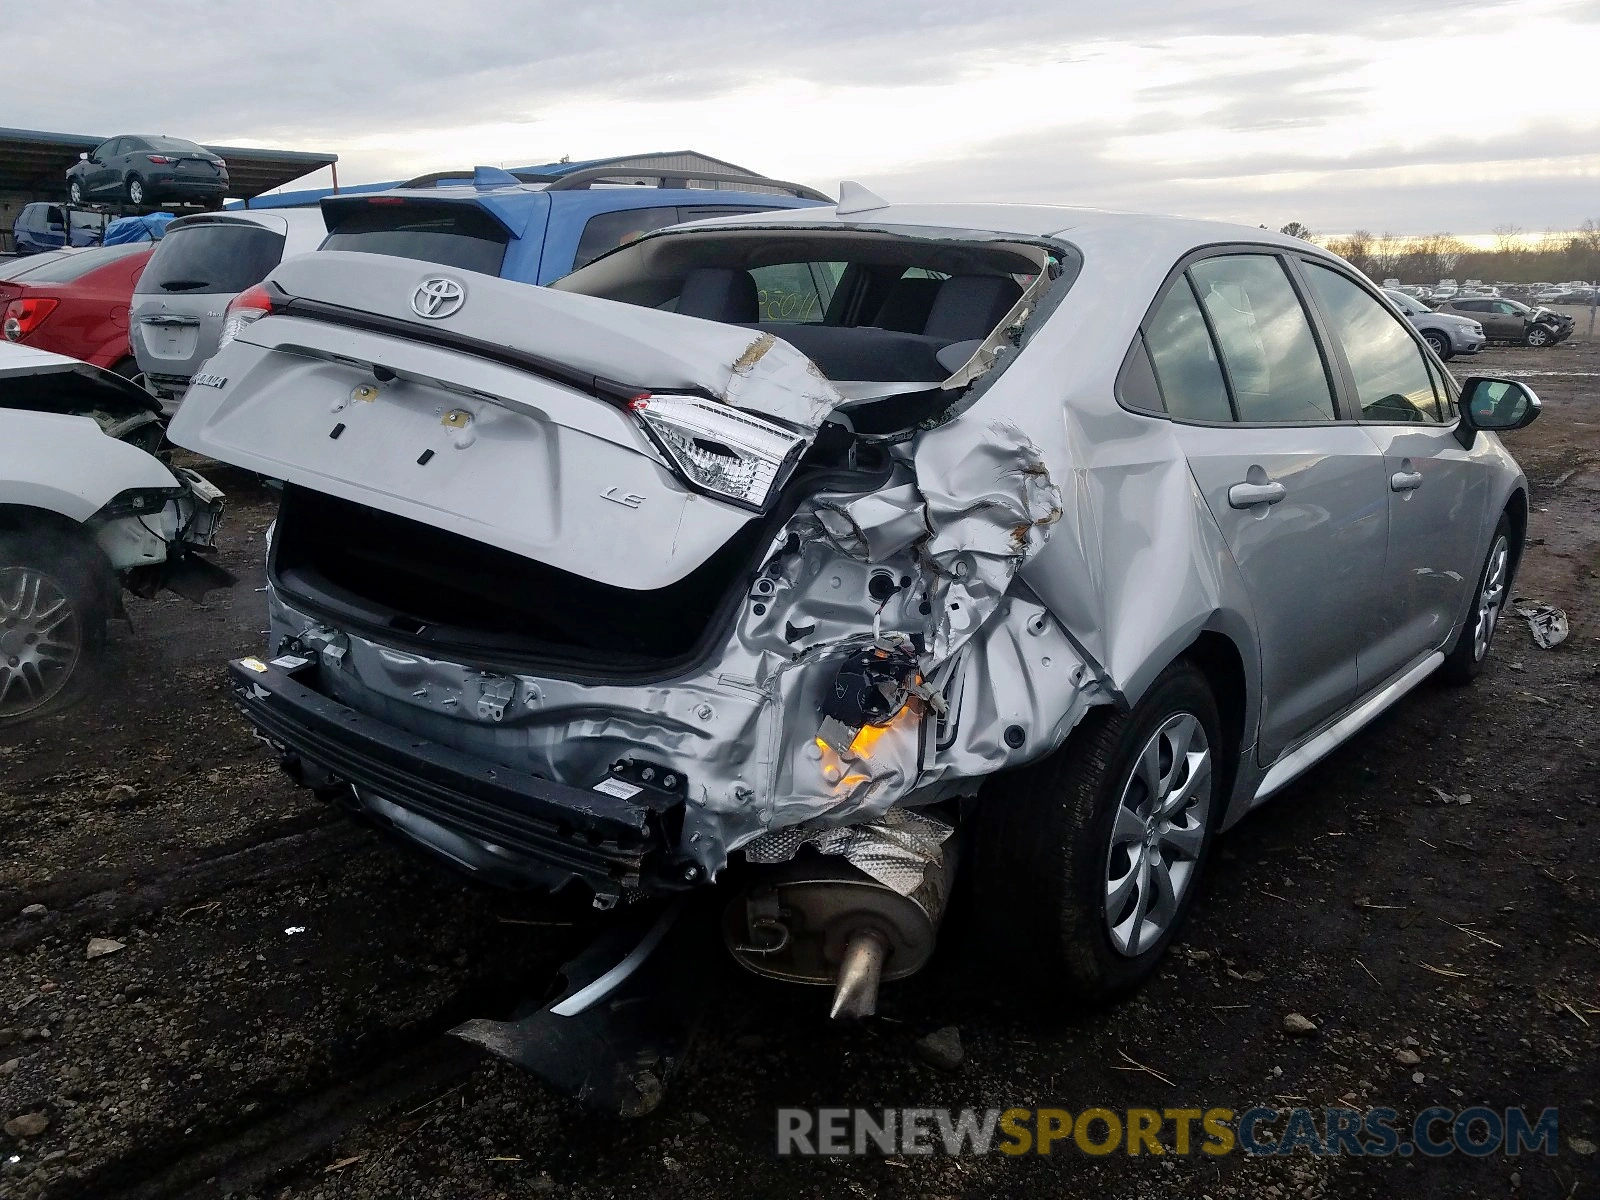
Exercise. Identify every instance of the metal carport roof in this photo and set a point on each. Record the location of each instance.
(32, 160)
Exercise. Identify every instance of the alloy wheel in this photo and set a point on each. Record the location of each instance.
(1157, 834)
(135, 191)
(1492, 598)
(41, 639)
(1538, 336)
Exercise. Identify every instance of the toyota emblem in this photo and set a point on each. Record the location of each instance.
(437, 298)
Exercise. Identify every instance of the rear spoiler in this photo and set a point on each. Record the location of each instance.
(336, 209)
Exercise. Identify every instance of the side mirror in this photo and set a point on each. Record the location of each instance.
(1494, 405)
(83, 156)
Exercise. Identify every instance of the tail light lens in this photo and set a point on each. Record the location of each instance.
(719, 450)
(249, 305)
(160, 158)
(22, 317)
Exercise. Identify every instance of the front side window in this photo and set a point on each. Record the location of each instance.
(1390, 371)
(1267, 345)
(1185, 360)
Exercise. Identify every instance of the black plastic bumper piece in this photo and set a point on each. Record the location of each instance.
(604, 842)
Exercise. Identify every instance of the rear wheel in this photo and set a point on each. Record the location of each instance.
(1464, 660)
(1087, 862)
(1440, 343)
(136, 191)
(52, 621)
(1537, 335)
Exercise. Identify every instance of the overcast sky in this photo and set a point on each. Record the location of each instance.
(1457, 115)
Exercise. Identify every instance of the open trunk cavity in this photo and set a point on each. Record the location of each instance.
(445, 594)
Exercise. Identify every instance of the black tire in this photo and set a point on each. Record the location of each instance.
(79, 575)
(1440, 344)
(1537, 336)
(135, 184)
(1043, 848)
(75, 191)
(1466, 656)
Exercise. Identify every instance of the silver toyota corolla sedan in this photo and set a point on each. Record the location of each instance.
(808, 553)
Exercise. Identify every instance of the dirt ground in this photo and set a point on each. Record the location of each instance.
(272, 1025)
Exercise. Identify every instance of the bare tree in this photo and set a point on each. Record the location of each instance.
(1355, 248)
(1508, 240)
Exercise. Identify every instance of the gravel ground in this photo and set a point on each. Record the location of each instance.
(270, 1022)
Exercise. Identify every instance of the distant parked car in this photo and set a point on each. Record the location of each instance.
(86, 512)
(1511, 320)
(201, 263)
(142, 169)
(1449, 335)
(76, 305)
(43, 226)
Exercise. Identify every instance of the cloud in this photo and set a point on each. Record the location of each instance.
(1159, 104)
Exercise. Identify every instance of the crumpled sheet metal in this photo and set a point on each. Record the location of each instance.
(743, 730)
(1547, 623)
(990, 502)
(895, 850)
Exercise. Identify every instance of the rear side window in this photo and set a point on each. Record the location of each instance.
(213, 256)
(452, 235)
(606, 231)
(797, 293)
(1390, 371)
(1271, 356)
(1185, 361)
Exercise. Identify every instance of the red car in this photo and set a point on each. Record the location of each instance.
(74, 302)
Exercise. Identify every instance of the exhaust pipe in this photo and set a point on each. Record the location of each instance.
(861, 971)
(818, 919)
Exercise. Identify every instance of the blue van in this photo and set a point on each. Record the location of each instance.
(43, 226)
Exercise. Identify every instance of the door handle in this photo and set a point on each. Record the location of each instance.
(1405, 481)
(1248, 495)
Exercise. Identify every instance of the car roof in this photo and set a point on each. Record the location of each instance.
(1110, 233)
(279, 220)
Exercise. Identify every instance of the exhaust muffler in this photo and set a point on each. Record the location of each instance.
(819, 919)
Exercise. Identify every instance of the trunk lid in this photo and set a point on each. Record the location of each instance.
(502, 417)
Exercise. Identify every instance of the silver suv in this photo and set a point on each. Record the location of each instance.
(1071, 535)
(1448, 333)
(201, 263)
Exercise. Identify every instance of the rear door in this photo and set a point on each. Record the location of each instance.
(1298, 495)
(1436, 492)
(179, 303)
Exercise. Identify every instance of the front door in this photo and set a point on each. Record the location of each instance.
(1298, 496)
(1436, 490)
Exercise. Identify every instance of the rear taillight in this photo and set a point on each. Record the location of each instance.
(160, 158)
(720, 450)
(249, 305)
(22, 317)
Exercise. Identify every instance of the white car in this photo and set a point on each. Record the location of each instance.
(86, 510)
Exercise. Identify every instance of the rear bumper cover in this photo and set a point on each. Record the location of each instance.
(506, 826)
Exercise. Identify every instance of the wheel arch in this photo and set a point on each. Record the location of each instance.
(1516, 511)
(1219, 659)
